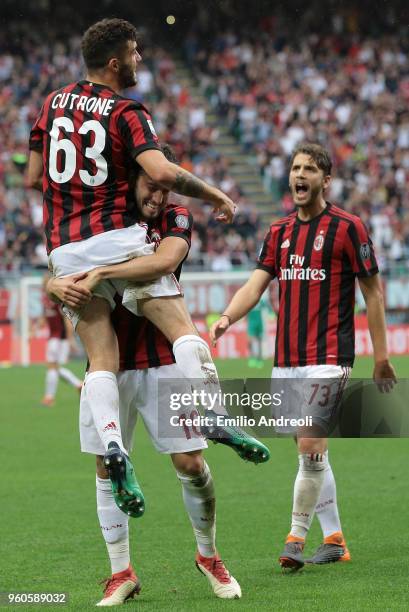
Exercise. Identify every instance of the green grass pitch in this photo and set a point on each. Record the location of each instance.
(50, 539)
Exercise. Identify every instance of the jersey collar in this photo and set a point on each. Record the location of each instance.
(322, 213)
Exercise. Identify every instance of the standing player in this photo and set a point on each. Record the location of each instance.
(145, 358)
(57, 351)
(316, 253)
(82, 148)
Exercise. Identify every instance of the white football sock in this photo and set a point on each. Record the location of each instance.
(70, 377)
(102, 395)
(114, 527)
(51, 382)
(192, 355)
(200, 504)
(327, 508)
(307, 489)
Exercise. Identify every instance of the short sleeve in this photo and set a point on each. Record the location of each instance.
(178, 221)
(267, 257)
(137, 131)
(360, 250)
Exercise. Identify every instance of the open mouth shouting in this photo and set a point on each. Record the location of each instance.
(301, 190)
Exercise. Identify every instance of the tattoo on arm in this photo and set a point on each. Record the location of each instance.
(189, 185)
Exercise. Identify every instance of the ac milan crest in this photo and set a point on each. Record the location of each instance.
(319, 242)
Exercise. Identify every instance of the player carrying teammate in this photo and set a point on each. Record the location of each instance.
(316, 253)
(83, 146)
(57, 351)
(146, 358)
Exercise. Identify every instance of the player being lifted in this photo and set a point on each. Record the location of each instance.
(316, 253)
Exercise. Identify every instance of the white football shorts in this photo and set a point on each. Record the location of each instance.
(309, 391)
(108, 248)
(57, 351)
(138, 394)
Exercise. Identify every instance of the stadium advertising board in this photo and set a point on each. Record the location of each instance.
(204, 298)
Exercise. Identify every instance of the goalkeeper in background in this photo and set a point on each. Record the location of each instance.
(256, 333)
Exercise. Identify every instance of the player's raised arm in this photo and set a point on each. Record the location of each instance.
(171, 177)
(243, 301)
(384, 373)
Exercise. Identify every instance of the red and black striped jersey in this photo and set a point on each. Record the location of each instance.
(89, 137)
(141, 344)
(316, 263)
(54, 318)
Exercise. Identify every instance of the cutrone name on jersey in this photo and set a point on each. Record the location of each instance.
(102, 106)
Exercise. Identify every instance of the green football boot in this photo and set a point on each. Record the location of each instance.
(220, 432)
(125, 488)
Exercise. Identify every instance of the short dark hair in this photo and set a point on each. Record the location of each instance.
(318, 153)
(105, 39)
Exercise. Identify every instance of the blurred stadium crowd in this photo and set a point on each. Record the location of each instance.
(348, 90)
